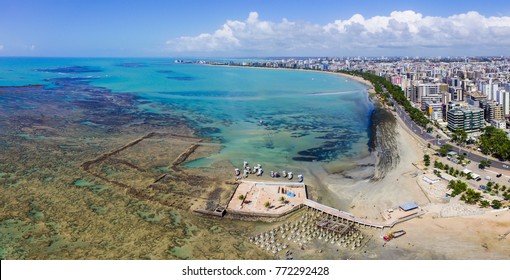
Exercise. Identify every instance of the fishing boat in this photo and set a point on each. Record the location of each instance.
(300, 178)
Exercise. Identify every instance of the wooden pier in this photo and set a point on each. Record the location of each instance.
(348, 217)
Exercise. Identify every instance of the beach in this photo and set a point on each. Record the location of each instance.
(103, 174)
(448, 230)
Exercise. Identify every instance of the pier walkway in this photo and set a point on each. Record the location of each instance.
(343, 215)
(403, 216)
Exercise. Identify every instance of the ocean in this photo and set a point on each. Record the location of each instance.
(274, 117)
(74, 186)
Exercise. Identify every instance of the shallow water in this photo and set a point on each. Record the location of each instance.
(58, 114)
(274, 117)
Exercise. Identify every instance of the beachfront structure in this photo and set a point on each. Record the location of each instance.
(408, 206)
(466, 118)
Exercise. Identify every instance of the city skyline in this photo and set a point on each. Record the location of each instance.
(253, 28)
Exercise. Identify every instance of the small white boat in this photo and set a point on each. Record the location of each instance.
(290, 175)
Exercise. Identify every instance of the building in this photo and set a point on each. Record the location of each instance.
(493, 111)
(499, 124)
(503, 98)
(431, 98)
(467, 118)
(434, 110)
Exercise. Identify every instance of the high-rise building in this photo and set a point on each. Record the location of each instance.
(503, 98)
(468, 119)
(434, 110)
(493, 111)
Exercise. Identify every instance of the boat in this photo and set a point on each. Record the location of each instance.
(300, 178)
(290, 176)
(394, 234)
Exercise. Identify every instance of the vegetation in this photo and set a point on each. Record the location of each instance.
(386, 90)
(484, 203)
(426, 159)
(283, 200)
(496, 204)
(457, 186)
(471, 196)
(495, 142)
(484, 163)
(444, 149)
(267, 204)
(241, 197)
(506, 195)
(459, 136)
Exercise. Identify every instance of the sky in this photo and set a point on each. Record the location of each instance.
(249, 28)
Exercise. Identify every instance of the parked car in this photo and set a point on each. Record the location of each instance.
(499, 175)
(488, 178)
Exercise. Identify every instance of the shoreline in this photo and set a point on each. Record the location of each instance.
(382, 146)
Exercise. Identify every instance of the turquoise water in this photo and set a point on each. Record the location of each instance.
(270, 116)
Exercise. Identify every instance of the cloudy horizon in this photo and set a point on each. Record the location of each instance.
(401, 33)
(242, 28)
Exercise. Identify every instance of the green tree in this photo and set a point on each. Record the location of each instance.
(267, 204)
(496, 204)
(495, 142)
(459, 136)
(484, 163)
(484, 203)
(471, 196)
(457, 187)
(426, 159)
(241, 197)
(444, 149)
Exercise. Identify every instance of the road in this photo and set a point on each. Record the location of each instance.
(428, 137)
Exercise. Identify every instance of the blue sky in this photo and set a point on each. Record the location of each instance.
(253, 28)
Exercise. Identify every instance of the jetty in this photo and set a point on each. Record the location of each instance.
(276, 199)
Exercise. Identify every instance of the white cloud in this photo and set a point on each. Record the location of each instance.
(401, 29)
